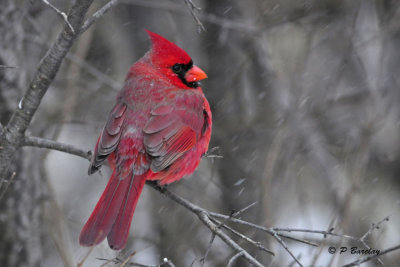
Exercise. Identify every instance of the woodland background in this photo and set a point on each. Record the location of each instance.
(305, 100)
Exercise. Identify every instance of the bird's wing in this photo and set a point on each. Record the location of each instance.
(173, 129)
(109, 137)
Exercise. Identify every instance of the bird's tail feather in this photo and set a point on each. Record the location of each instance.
(118, 235)
(115, 207)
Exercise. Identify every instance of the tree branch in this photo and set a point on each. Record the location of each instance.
(13, 135)
(203, 215)
(214, 225)
(50, 144)
(234, 258)
(371, 257)
(193, 8)
(60, 13)
(98, 14)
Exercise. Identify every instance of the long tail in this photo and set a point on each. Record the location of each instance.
(113, 213)
(120, 230)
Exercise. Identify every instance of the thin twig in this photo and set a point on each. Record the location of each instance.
(7, 67)
(237, 213)
(370, 230)
(99, 75)
(203, 260)
(166, 262)
(242, 236)
(96, 73)
(60, 13)
(370, 257)
(98, 14)
(212, 224)
(202, 214)
(261, 228)
(234, 258)
(322, 232)
(209, 153)
(50, 144)
(127, 259)
(192, 8)
(283, 244)
(80, 264)
(14, 136)
(373, 227)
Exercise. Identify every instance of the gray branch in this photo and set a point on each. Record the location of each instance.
(50, 144)
(207, 217)
(60, 13)
(98, 14)
(203, 215)
(193, 8)
(14, 133)
(371, 257)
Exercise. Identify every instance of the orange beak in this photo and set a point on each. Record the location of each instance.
(195, 74)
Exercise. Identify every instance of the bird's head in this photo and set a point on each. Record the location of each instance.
(174, 62)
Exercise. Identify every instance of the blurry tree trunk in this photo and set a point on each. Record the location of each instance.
(20, 207)
(21, 223)
(22, 190)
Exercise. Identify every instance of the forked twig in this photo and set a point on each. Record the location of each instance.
(193, 8)
(61, 14)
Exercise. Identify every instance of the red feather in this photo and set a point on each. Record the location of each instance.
(158, 129)
(103, 217)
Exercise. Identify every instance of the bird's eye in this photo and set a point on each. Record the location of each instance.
(177, 68)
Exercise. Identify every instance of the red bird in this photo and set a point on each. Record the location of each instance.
(158, 129)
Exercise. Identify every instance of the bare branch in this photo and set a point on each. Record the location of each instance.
(373, 227)
(13, 135)
(234, 258)
(7, 67)
(102, 77)
(322, 232)
(259, 227)
(371, 257)
(96, 73)
(203, 260)
(237, 213)
(283, 244)
(209, 153)
(214, 225)
(201, 213)
(242, 236)
(97, 15)
(166, 262)
(50, 144)
(210, 18)
(128, 259)
(62, 14)
(192, 8)
(204, 217)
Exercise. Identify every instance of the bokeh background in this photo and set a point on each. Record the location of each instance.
(305, 99)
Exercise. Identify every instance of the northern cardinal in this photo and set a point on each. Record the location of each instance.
(158, 129)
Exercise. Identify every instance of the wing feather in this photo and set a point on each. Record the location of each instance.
(109, 137)
(171, 132)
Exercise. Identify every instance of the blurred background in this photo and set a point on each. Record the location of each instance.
(305, 100)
